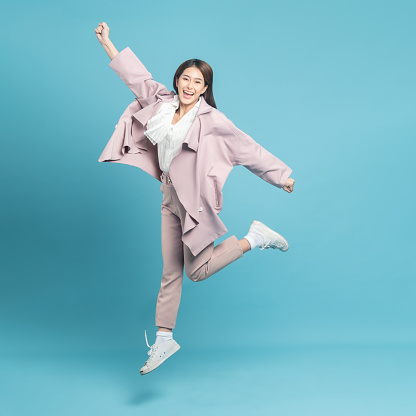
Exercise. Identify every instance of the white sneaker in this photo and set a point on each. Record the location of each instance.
(158, 354)
(271, 238)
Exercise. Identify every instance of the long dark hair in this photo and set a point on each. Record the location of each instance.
(207, 73)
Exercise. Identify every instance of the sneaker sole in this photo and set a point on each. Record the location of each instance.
(258, 224)
(170, 352)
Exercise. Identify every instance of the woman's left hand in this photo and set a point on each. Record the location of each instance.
(289, 185)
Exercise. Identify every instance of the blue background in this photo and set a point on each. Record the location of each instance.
(327, 328)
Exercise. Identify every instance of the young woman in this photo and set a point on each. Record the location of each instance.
(180, 138)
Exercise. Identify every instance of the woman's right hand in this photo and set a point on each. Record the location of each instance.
(289, 185)
(102, 32)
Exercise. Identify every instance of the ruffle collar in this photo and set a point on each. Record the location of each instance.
(159, 125)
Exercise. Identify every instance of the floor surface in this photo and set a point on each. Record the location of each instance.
(287, 381)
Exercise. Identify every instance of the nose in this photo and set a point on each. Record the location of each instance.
(189, 86)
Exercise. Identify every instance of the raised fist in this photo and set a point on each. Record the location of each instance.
(102, 32)
(289, 185)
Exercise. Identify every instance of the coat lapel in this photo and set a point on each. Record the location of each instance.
(194, 133)
(183, 169)
(191, 139)
(146, 113)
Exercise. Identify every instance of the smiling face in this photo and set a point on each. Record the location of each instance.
(191, 81)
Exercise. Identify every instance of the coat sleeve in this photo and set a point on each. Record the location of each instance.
(135, 75)
(245, 151)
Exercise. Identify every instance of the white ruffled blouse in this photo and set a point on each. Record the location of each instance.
(168, 137)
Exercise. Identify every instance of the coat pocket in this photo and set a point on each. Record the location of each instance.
(216, 189)
(217, 194)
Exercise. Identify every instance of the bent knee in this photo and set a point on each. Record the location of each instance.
(194, 275)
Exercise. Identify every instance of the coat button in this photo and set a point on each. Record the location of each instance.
(200, 208)
(115, 126)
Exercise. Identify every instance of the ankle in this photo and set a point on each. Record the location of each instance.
(244, 245)
(162, 328)
(163, 336)
(255, 240)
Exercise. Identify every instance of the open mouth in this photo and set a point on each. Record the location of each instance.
(187, 95)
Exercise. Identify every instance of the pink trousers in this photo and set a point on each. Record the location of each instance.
(176, 255)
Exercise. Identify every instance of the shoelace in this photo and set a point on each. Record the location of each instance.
(268, 245)
(152, 348)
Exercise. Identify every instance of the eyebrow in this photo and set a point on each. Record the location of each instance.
(184, 75)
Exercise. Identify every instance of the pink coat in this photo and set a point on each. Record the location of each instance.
(212, 147)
